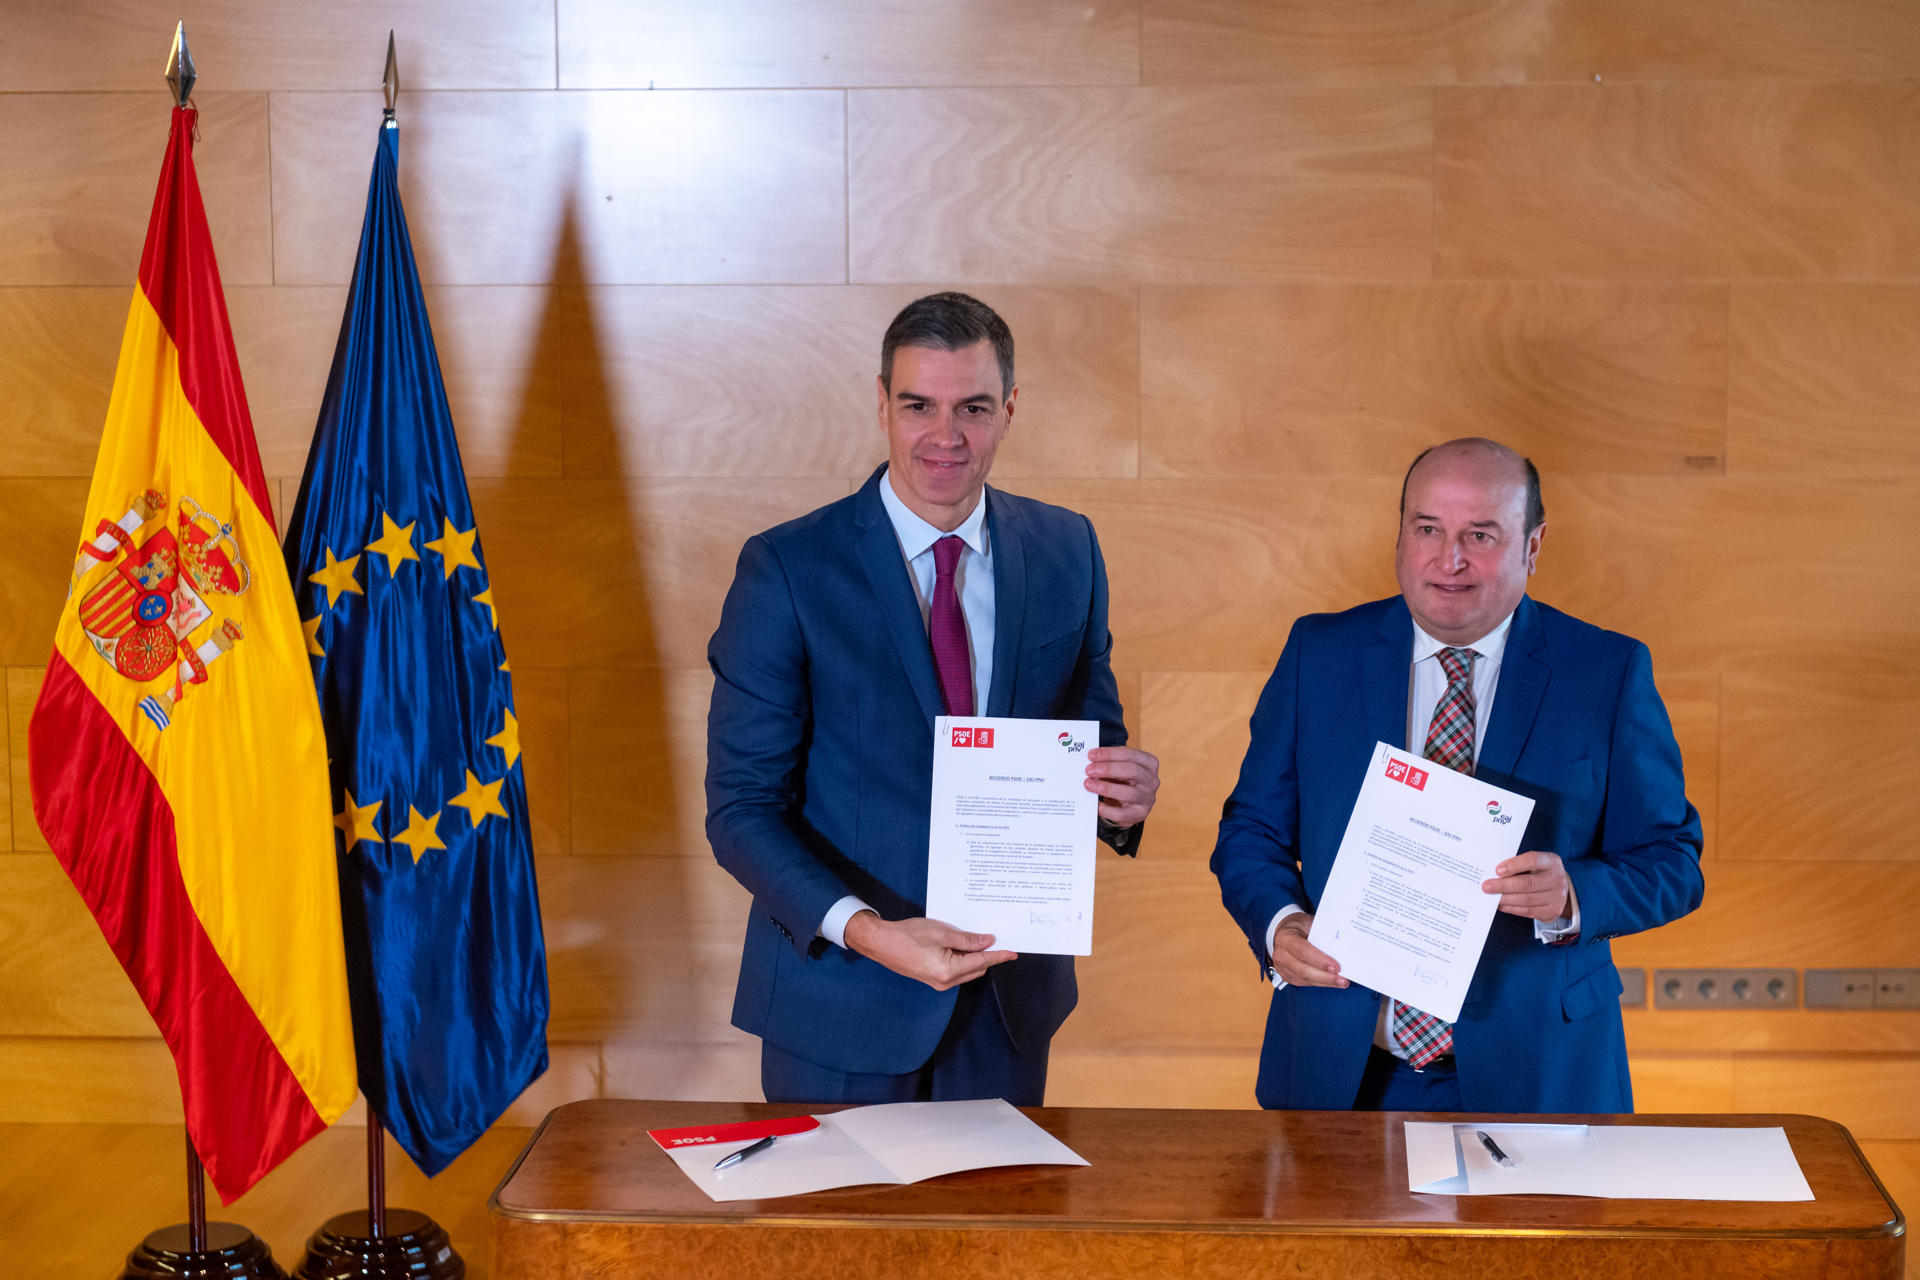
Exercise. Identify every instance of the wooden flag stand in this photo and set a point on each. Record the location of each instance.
(199, 1248)
(376, 1243)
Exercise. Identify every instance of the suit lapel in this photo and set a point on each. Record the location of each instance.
(1516, 699)
(1385, 668)
(1009, 553)
(894, 599)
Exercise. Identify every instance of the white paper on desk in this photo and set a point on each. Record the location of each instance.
(1623, 1162)
(894, 1143)
(1010, 841)
(1403, 911)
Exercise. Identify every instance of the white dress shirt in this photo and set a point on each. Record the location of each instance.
(1426, 683)
(973, 582)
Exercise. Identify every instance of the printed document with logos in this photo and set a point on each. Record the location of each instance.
(895, 1142)
(1010, 843)
(1403, 911)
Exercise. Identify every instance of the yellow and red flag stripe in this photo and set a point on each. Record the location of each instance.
(178, 763)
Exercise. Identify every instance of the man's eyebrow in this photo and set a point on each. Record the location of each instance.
(1471, 524)
(982, 398)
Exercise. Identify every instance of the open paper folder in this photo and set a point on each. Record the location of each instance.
(899, 1142)
(1626, 1162)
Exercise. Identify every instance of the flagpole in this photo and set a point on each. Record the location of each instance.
(376, 1176)
(196, 1201)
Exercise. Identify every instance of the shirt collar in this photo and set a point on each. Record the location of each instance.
(916, 535)
(1491, 647)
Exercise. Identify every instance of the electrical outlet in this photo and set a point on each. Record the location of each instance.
(1896, 988)
(1841, 988)
(1725, 989)
(1633, 988)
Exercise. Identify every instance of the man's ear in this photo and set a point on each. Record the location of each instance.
(1534, 539)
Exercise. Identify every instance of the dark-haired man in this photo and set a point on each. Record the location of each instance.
(845, 633)
(1463, 666)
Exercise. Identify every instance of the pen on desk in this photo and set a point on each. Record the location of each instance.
(727, 1162)
(1493, 1148)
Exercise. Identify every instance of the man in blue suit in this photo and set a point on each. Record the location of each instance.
(1464, 666)
(845, 633)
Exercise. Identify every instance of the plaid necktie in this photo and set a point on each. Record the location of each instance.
(947, 628)
(1450, 743)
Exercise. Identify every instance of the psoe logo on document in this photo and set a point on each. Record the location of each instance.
(1071, 743)
(979, 737)
(1401, 771)
(1493, 811)
(963, 737)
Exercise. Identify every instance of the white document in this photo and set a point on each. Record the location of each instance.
(1403, 911)
(1010, 844)
(1622, 1162)
(897, 1143)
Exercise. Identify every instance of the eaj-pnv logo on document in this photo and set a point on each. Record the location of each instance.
(1401, 771)
(1493, 811)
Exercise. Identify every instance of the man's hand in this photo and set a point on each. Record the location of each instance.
(1531, 884)
(1126, 779)
(1298, 962)
(925, 950)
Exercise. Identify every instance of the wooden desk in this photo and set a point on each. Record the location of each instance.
(1200, 1194)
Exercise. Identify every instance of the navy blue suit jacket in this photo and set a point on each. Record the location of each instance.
(1578, 726)
(820, 759)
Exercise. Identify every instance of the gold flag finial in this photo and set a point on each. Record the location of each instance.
(180, 73)
(392, 78)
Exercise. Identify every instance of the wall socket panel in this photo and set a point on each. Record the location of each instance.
(1863, 988)
(1726, 989)
(1633, 988)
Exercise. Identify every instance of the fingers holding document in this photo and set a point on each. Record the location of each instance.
(1126, 779)
(925, 950)
(1532, 884)
(1298, 962)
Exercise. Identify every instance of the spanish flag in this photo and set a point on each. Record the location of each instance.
(178, 765)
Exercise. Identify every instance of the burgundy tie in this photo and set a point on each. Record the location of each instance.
(948, 628)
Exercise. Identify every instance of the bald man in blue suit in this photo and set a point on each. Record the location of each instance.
(1561, 711)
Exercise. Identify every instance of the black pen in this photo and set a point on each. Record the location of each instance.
(1493, 1148)
(727, 1162)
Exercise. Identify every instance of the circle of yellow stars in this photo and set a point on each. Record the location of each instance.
(481, 800)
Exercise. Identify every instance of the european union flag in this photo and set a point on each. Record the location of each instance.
(445, 960)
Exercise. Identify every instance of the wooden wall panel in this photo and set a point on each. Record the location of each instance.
(1684, 181)
(1874, 1097)
(743, 44)
(1802, 1031)
(647, 562)
(1270, 550)
(1170, 970)
(1670, 1085)
(1196, 722)
(60, 977)
(1693, 704)
(1581, 377)
(722, 1071)
(79, 173)
(23, 690)
(608, 187)
(497, 348)
(58, 349)
(1158, 185)
(1785, 914)
(40, 529)
(1432, 41)
(1201, 1080)
(6, 772)
(540, 705)
(780, 382)
(637, 761)
(1700, 568)
(1822, 377)
(641, 948)
(1813, 758)
(1829, 40)
(284, 44)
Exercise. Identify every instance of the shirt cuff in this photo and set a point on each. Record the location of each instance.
(1566, 926)
(834, 927)
(1291, 909)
